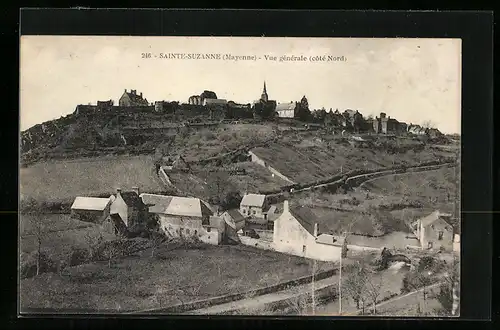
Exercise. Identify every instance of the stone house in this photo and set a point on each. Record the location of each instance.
(254, 207)
(234, 221)
(296, 232)
(434, 232)
(132, 99)
(185, 217)
(91, 209)
(128, 208)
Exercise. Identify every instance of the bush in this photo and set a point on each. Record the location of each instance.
(78, 256)
(28, 265)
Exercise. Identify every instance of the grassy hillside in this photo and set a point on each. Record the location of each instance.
(317, 157)
(65, 179)
(172, 277)
(386, 204)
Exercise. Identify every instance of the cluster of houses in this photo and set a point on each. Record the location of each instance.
(289, 229)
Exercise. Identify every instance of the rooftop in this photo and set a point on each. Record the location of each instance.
(90, 203)
(175, 205)
(253, 200)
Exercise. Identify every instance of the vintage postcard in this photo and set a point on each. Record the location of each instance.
(240, 176)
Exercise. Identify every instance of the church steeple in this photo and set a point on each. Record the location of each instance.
(264, 97)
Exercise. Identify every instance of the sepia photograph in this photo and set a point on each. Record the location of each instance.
(240, 176)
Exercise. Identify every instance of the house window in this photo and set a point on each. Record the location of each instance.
(187, 231)
(244, 211)
(429, 245)
(440, 235)
(254, 212)
(209, 229)
(303, 249)
(195, 232)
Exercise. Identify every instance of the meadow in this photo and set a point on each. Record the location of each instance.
(63, 180)
(171, 276)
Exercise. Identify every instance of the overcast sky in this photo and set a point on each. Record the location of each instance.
(412, 80)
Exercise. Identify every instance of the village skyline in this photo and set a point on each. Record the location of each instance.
(413, 79)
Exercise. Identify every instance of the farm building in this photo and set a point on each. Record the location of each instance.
(254, 207)
(234, 221)
(296, 232)
(91, 209)
(130, 209)
(434, 232)
(185, 217)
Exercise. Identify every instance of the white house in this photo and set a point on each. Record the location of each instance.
(434, 232)
(254, 207)
(297, 233)
(287, 110)
(214, 102)
(185, 217)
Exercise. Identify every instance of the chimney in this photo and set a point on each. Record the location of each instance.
(118, 191)
(125, 90)
(133, 91)
(141, 94)
(316, 230)
(285, 206)
(136, 190)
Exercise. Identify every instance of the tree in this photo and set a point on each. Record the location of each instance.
(156, 239)
(374, 289)
(93, 239)
(221, 191)
(31, 210)
(428, 124)
(449, 292)
(112, 249)
(355, 285)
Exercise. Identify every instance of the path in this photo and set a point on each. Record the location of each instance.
(261, 302)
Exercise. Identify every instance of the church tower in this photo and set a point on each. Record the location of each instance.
(264, 97)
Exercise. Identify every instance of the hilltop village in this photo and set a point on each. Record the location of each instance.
(275, 177)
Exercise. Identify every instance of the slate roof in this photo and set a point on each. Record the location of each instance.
(90, 203)
(136, 98)
(285, 106)
(253, 200)
(433, 217)
(304, 216)
(236, 215)
(175, 205)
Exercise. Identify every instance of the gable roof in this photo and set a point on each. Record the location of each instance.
(175, 205)
(132, 199)
(236, 215)
(90, 203)
(304, 216)
(253, 200)
(135, 98)
(156, 203)
(285, 106)
(433, 217)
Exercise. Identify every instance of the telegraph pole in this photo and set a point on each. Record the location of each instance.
(340, 285)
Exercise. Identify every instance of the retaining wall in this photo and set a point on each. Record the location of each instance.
(180, 308)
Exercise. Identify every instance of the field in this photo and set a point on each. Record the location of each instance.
(255, 178)
(437, 188)
(209, 142)
(60, 233)
(313, 158)
(386, 204)
(64, 180)
(174, 276)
